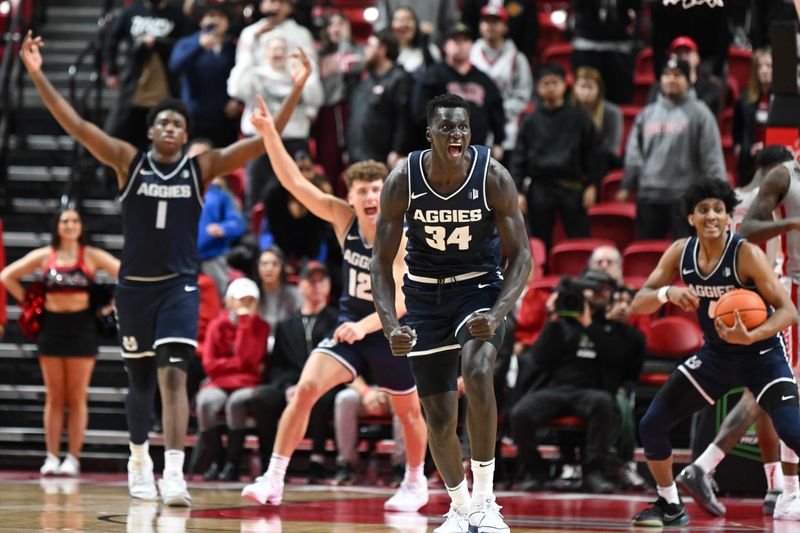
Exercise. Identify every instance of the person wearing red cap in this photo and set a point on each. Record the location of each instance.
(706, 89)
(523, 20)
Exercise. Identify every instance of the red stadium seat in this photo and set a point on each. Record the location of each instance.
(560, 54)
(641, 257)
(739, 65)
(644, 64)
(539, 257)
(610, 186)
(572, 256)
(731, 93)
(671, 338)
(615, 221)
(549, 33)
(629, 114)
(641, 89)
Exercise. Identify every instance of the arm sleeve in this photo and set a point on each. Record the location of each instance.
(233, 221)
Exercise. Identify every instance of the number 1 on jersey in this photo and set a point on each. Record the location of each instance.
(161, 215)
(460, 237)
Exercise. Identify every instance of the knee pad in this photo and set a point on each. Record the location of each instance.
(174, 354)
(778, 394)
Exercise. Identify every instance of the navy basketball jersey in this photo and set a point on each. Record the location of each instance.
(453, 234)
(709, 288)
(356, 300)
(161, 207)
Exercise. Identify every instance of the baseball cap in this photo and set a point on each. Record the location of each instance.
(678, 64)
(495, 11)
(242, 288)
(682, 42)
(312, 267)
(458, 29)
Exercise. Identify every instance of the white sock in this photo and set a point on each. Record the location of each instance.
(710, 458)
(277, 466)
(414, 474)
(173, 462)
(459, 495)
(669, 493)
(790, 484)
(139, 452)
(482, 477)
(772, 472)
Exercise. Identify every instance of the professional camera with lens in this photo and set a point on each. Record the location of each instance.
(569, 295)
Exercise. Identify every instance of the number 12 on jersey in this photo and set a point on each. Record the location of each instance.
(459, 237)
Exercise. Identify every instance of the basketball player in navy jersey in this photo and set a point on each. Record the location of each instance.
(161, 192)
(710, 264)
(461, 207)
(356, 342)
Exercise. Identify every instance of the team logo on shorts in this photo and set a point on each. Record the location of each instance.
(130, 344)
(327, 343)
(693, 362)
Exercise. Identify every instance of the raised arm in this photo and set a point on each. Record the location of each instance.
(12, 275)
(759, 225)
(389, 234)
(109, 150)
(501, 194)
(657, 287)
(324, 205)
(752, 264)
(222, 161)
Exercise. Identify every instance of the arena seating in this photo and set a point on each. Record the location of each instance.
(641, 257)
(570, 257)
(614, 221)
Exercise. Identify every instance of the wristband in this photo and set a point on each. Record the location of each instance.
(662, 294)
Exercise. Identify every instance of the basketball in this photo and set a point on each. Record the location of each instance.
(752, 309)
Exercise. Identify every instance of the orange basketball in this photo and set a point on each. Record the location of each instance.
(752, 309)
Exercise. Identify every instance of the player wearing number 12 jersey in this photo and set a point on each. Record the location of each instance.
(356, 343)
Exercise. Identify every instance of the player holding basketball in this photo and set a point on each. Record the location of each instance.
(697, 478)
(461, 206)
(710, 264)
(156, 300)
(356, 343)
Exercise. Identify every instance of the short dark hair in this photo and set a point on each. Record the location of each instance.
(445, 100)
(547, 69)
(710, 188)
(387, 38)
(773, 154)
(170, 104)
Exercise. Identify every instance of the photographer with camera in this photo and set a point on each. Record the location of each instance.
(561, 374)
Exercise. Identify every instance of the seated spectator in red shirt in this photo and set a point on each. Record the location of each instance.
(233, 358)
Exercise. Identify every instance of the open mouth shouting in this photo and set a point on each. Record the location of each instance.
(455, 149)
(371, 210)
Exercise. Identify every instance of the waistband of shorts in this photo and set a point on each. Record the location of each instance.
(449, 279)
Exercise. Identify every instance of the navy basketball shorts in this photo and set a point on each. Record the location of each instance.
(391, 374)
(439, 314)
(150, 314)
(765, 372)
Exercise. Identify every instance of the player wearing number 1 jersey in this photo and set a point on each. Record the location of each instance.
(460, 206)
(156, 300)
(356, 342)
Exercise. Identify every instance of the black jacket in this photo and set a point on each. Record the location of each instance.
(556, 145)
(379, 121)
(291, 349)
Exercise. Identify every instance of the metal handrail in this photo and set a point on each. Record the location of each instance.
(8, 69)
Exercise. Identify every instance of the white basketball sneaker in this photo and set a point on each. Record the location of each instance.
(174, 492)
(486, 517)
(787, 508)
(69, 467)
(455, 521)
(141, 483)
(266, 489)
(409, 498)
(50, 466)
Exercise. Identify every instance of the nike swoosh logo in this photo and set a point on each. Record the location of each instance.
(189, 288)
(762, 352)
(784, 398)
(418, 195)
(175, 359)
(687, 272)
(484, 465)
(482, 285)
(352, 238)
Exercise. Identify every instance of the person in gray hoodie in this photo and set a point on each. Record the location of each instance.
(673, 142)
